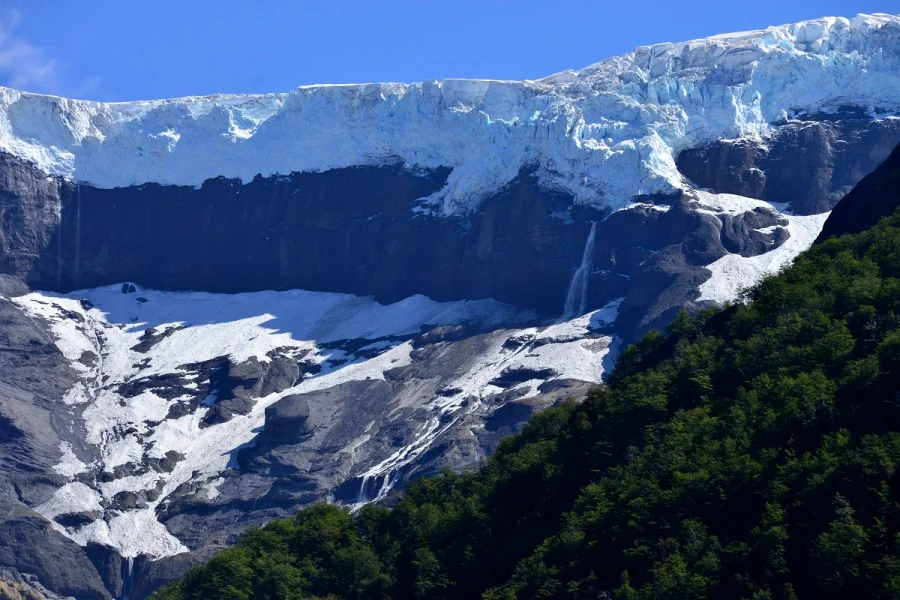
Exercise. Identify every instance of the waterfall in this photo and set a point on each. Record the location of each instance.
(380, 484)
(59, 250)
(390, 480)
(127, 578)
(576, 299)
(77, 234)
(362, 497)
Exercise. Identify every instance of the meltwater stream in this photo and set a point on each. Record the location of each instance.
(576, 299)
(77, 236)
(128, 579)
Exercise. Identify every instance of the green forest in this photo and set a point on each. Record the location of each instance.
(751, 451)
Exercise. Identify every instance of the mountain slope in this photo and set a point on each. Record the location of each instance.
(877, 196)
(216, 311)
(751, 452)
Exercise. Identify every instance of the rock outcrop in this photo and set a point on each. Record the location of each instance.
(807, 164)
(877, 196)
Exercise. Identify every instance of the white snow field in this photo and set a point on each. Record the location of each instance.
(126, 430)
(603, 134)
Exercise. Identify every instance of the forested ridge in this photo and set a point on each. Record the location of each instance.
(750, 452)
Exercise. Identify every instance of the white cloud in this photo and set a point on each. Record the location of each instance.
(32, 68)
(24, 65)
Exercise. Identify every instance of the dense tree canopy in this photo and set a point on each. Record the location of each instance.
(751, 452)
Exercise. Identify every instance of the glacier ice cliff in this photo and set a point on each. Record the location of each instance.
(603, 134)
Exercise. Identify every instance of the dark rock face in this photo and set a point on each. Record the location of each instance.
(741, 233)
(60, 564)
(347, 230)
(810, 164)
(109, 566)
(287, 419)
(149, 576)
(23, 586)
(877, 196)
(235, 386)
(34, 376)
(29, 214)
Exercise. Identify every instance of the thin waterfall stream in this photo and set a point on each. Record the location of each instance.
(77, 235)
(128, 579)
(576, 299)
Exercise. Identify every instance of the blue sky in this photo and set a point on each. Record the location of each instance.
(140, 49)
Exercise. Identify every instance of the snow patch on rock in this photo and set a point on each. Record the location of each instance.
(734, 273)
(190, 328)
(73, 497)
(571, 349)
(69, 465)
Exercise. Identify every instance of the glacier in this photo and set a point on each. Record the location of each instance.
(604, 134)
